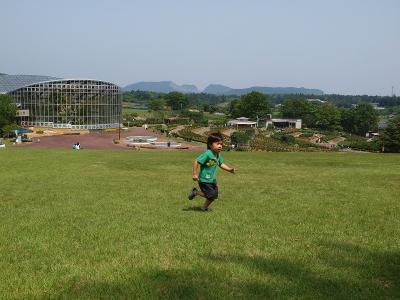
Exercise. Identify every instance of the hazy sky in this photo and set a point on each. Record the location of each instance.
(340, 46)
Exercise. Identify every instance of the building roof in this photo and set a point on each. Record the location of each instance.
(9, 83)
(316, 100)
(239, 122)
(285, 120)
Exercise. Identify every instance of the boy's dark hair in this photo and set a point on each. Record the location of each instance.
(213, 138)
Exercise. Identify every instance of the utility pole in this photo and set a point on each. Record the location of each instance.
(119, 122)
(392, 91)
(119, 130)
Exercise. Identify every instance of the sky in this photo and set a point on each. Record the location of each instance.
(342, 46)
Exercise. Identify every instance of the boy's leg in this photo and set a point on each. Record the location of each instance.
(206, 204)
(195, 192)
(211, 193)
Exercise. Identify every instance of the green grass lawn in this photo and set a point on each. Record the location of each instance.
(117, 224)
(214, 117)
(139, 112)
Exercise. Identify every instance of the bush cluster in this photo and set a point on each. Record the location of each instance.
(284, 137)
(362, 145)
(189, 136)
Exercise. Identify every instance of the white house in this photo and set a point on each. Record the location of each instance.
(242, 122)
(316, 101)
(284, 123)
(376, 106)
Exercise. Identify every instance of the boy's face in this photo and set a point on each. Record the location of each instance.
(216, 146)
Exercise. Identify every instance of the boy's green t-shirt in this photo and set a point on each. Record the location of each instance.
(208, 166)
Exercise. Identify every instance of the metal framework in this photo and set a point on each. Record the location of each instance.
(9, 83)
(75, 104)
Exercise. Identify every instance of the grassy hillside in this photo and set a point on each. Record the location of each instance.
(117, 224)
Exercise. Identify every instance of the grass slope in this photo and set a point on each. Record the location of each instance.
(105, 224)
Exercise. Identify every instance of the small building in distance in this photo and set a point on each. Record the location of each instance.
(319, 101)
(376, 106)
(242, 122)
(284, 123)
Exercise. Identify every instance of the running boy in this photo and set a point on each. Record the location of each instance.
(208, 161)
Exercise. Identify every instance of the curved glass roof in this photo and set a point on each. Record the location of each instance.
(10, 83)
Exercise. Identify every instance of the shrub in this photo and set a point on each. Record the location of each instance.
(242, 138)
(6, 130)
(134, 123)
(308, 134)
(327, 138)
(249, 132)
(261, 142)
(189, 136)
(284, 137)
(239, 138)
(362, 145)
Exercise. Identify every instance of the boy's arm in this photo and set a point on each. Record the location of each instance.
(195, 170)
(227, 168)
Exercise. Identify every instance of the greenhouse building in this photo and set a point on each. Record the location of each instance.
(68, 103)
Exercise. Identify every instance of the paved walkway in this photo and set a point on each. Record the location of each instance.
(103, 140)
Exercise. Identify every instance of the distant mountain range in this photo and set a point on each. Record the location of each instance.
(161, 87)
(217, 89)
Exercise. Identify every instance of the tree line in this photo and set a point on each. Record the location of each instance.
(325, 116)
(193, 99)
(341, 101)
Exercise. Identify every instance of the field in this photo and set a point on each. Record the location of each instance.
(117, 224)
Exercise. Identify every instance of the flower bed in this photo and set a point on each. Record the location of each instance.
(262, 142)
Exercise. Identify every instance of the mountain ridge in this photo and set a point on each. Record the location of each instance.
(161, 87)
(217, 89)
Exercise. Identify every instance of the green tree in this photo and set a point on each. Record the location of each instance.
(250, 105)
(347, 119)
(209, 108)
(234, 108)
(360, 119)
(391, 135)
(176, 100)
(8, 112)
(156, 104)
(300, 109)
(365, 118)
(254, 104)
(196, 117)
(327, 116)
(213, 109)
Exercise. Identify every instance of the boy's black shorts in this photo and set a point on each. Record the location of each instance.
(210, 190)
